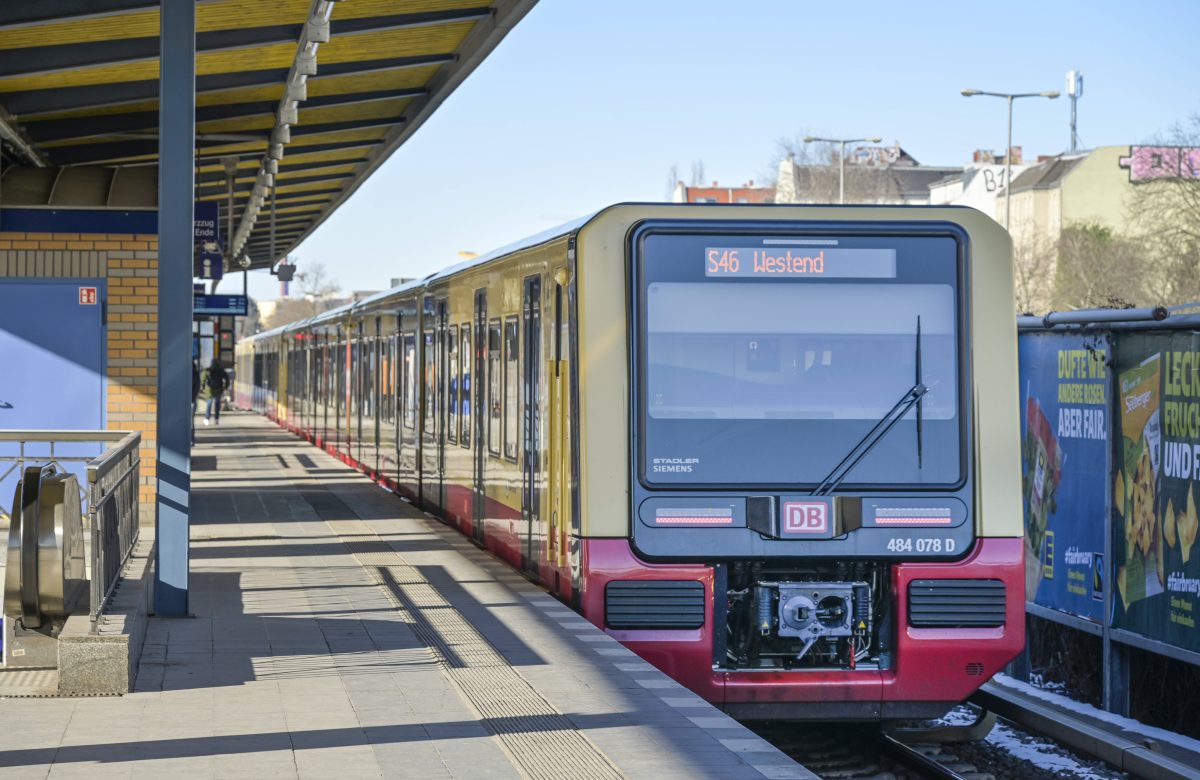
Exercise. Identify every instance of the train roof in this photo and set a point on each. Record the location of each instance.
(537, 239)
(528, 242)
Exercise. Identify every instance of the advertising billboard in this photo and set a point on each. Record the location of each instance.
(1065, 457)
(1156, 447)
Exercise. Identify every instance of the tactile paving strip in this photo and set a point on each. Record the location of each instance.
(542, 741)
(37, 684)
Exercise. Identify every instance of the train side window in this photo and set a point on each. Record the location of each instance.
(495, 397)
(410, 382)
(512, 388)
(452, 383)
(465, 386)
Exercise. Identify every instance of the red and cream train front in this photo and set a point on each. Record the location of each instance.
(773, 450)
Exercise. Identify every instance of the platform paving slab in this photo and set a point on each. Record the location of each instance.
(336, 631)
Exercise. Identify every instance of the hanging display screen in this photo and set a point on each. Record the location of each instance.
(785, 262)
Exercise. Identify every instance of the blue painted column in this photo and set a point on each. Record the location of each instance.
(176, 153)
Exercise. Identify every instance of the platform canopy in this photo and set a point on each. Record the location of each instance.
(302, 99)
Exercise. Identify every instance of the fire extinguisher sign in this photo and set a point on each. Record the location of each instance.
(87, 296)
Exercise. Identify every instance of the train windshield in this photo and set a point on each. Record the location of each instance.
(765, 362)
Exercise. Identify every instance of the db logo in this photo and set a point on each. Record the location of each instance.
(805, 517)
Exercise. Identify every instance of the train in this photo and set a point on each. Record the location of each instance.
(772, 449)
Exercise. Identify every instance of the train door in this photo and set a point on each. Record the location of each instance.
(354, 424)
(410, 407)
(442, 401)
(322, 347)
(478, 416)
(388, 390)
(368, 406)
(336, 370)
(378, 387)
(559, 444)
(345, 393)
(433, 394)
(530, 419)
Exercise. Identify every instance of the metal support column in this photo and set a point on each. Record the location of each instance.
(1115, 658)
(176, 164)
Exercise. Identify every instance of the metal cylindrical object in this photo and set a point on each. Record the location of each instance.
(762, 610)
(46, 571)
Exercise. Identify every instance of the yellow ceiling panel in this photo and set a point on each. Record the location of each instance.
(318, 86)
(264, 218)
(237, 124)
(285, 174)
(334, 137)
(375, 81)
(324, 170)
(277, 55)
(211, 16)
(374, 109)
(308, 186)
(240, 147)
(406, 42)
(363, 9)
(354, 155)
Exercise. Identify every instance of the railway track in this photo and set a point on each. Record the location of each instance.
(845, 752)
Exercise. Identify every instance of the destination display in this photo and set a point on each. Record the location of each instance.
(799, 261)
(219, 304)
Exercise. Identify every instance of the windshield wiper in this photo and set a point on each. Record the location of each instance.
(920, 400)
(912, 397)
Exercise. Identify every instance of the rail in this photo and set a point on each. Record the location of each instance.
(111, 496)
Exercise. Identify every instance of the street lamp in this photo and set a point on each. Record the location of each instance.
(808, 139)
(1010, 97)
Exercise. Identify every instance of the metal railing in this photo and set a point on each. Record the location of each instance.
(111, 495)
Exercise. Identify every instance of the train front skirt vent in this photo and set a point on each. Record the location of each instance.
(653, 604)
(956, 603)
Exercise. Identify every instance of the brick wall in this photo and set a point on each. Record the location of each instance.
(129, 263)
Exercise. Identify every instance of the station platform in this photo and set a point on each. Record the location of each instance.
(338, 631)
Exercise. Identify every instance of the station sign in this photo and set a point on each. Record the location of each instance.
(208, 261)
(205, 222)
(219, 305)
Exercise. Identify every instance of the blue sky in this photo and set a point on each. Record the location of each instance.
(588, 103)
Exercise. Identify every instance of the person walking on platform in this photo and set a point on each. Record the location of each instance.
(213, 382)
(195, 395)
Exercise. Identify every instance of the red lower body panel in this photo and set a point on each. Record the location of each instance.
(930, 669)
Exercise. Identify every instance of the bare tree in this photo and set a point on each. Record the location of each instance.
(1098, 269)
(817, 174)
(698, 179)
(672, 180)
(318, 293)
(1164, 214)
(251, 323)
(316, 283)
(1033, 274)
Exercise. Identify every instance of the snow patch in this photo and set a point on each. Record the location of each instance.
(1088, 711)
(962, 715)
(1041, 753)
